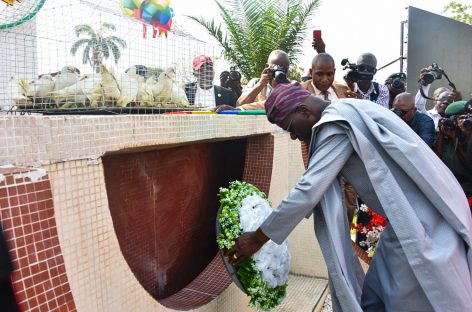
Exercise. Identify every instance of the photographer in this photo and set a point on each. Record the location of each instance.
(359, 80)
(423, 125)
(232, 80)
(455, 131)
(258, 89)
(442, 96)
(396, 85)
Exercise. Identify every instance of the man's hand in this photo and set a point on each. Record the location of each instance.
(447, 132)
(455, 95)
(223, 107)
(466, 132)
(318, 45)
(246, 246)
(352, 95)
(265, 77)
(423, 71)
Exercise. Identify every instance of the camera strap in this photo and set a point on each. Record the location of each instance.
(451, 84)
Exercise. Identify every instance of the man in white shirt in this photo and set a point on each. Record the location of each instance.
(366, 89)
(442, 97)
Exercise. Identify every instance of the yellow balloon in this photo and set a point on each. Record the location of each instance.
(138, 3)
(128, 11)
(161, 4)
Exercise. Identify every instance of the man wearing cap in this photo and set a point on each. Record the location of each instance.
(452, 144)
(203, 92)
(396, 85)
(423, 125)
(424, 257)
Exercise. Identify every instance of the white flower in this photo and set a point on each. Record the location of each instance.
(272, 260)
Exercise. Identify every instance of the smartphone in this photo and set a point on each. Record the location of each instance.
(317, 34)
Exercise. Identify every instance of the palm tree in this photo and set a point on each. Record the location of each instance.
(97, 46)
(257, 27)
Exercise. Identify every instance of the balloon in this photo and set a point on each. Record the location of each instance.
(157, 13)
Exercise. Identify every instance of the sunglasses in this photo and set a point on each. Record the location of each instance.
(400, 113)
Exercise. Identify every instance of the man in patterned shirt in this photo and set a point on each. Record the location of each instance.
(367, 89)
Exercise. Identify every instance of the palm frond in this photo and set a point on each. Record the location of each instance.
(104, 48)
(86, 55)
(85, 29)
(254, 28)
(108, 26)
(78, 44)
(115, 50)
(117, 41)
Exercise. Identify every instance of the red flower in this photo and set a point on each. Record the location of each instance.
(470, 202)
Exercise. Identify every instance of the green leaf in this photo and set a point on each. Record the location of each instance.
(254, 28)
(262, 297)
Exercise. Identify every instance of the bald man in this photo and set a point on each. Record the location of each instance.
(258, 89)
(322, 83)
(366, 89)
(422, 124)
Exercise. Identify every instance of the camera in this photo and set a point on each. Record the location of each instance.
(449, 123)
(234, 74)
(279, 74)
(435, 73)
(397, 81)
(468, 121)
(355, 74)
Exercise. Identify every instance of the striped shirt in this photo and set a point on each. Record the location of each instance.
(382, 99)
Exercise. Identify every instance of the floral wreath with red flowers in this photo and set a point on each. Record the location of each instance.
(369, 232)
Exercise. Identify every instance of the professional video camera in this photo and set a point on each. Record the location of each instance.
(355, 74)
(279, 74)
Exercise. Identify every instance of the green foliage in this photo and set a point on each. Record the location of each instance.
(97, 46)
(254, 28)
(460, 12)
(231, 198)
(296, 73)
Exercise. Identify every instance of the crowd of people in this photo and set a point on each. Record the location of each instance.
(378, 144)
(446, 128)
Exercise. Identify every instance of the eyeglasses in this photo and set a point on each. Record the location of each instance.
(290, 124)
(400, 113)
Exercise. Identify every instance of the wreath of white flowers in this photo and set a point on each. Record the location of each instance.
(264, 275)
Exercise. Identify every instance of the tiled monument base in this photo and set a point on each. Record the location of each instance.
(27, 217)
(83, 245)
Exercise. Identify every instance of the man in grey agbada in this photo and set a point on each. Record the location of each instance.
(423, 259)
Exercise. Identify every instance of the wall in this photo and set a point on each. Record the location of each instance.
(435, 38)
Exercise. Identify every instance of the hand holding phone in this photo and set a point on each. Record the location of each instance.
(318, 43)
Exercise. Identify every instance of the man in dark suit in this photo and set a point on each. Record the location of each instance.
(203, 92)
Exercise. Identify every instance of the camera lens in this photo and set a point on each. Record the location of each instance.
(428, 78)
(398, 83)
(468, 123)
(280, 77)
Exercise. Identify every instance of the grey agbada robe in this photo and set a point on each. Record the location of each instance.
(423, 261)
